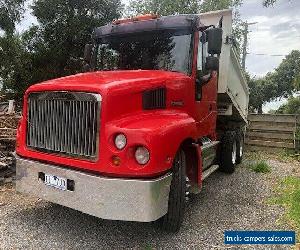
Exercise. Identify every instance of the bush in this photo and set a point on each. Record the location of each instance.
(290, 154)
(260, 167)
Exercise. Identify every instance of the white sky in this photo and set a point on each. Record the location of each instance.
(276, 33)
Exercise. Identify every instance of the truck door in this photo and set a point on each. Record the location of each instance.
(205, 92)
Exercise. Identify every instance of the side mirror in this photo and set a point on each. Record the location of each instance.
(88, 53)
(212, 63)
(214, 39)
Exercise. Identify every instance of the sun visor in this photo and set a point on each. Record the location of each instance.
(162, 23)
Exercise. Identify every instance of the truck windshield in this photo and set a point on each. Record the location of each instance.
(161, 50)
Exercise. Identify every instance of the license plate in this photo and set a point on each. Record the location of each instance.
(56, 182)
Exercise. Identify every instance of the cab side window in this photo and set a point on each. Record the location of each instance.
(202, 53)
(201, 61)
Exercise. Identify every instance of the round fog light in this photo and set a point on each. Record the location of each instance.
(142, 155)
(120, 141)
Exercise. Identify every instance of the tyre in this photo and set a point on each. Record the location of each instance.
(228, 153)
(172, 221)
(240, 147)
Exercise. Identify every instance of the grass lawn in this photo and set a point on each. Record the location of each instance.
(286, 189)
(288, 196)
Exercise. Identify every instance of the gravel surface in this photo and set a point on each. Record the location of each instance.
(227, 202)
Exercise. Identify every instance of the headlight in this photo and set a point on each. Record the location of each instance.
(120, 141)
(142, 155)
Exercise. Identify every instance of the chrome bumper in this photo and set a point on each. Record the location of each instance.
(106, 198)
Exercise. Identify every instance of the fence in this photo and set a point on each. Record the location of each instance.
(272, 131)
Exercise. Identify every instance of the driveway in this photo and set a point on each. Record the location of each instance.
(227, 202)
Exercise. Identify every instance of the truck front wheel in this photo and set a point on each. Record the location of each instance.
(228, 157)
(173, 219)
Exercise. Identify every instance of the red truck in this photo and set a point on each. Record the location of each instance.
(162, 106)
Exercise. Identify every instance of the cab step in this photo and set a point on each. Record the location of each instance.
(209, 171)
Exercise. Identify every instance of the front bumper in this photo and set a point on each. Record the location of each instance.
(106, 198)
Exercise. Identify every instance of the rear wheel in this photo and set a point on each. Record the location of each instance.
(173, 219)
(228, 156)
(240, 147)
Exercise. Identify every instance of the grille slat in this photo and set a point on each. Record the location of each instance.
(53, 125)
(64, 122)
(72, 149)
(79, 128)
(93, 123)
(86, 128)
(90, 135)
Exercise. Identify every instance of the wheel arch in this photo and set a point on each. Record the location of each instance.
(189, 146)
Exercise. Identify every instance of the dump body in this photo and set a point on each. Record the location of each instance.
(233, 91)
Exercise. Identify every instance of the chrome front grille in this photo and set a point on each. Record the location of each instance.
(64, 123)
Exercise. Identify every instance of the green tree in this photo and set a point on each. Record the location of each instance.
(283, 82)
(10, 13)
(15, 62)
(172, 7)
(262, 90)
(210, 5)
(54, 47)
(286, 77)
(164, 8)
(291, 107)
(268, 3)
(66, 26)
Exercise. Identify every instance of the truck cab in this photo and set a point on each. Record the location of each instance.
(147, 122)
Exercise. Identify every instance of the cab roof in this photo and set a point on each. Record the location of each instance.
(147, 23)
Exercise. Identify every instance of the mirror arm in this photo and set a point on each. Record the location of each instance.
(203, 28)
(204, 79)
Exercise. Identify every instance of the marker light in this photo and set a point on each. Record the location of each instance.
(135, 19)
(142, 155)
(120, 141)
(116, 160)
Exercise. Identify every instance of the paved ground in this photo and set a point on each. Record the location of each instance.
(227, 202)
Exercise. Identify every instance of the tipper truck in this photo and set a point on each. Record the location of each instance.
(161, 105)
